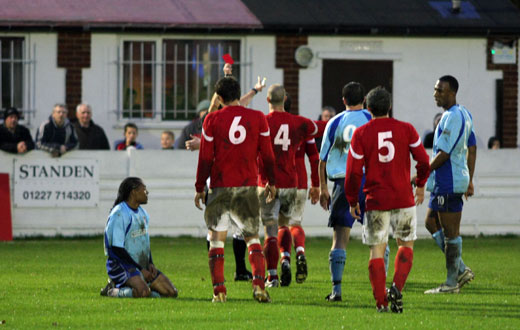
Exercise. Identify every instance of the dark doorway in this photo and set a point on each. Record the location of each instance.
(337, 73)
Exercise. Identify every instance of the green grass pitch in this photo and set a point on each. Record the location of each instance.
(55, 283)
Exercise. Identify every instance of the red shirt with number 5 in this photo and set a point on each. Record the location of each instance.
(383, 147)
(232, 139)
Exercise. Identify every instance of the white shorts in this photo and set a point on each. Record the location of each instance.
(377, 224)
(299, 207)
(235, 204)
(283, 204)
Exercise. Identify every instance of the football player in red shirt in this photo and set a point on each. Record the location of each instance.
(232, 139)
(383, 146)
(288, 132)
(292, 231)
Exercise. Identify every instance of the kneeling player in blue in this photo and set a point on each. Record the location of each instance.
(130, 266)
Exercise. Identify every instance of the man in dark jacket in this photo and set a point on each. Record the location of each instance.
(56, 135)
(14, 138)
(90, 135)
(194, 128)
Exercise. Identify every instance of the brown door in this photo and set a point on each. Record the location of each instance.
(337, 73)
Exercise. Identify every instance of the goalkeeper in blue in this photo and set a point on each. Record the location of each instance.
(130, 267)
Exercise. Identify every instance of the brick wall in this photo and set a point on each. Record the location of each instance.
(510, 97)
(73, 55)
(285, 47)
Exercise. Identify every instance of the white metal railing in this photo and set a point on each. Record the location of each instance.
(165, 106)
(21, 81)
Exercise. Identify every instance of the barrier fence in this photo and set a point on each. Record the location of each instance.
(73, 195)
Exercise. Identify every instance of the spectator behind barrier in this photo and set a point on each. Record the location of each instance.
(428, 137)
(129, 141)
(167, 140)
(493, 143)
(195, 127)
(14, 138)
(90, 135)
(56, 135)
(327, 112)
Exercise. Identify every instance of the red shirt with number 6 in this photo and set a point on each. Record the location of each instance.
(232, 139)
(383, 147)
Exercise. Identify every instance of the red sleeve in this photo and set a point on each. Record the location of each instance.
(314, 160)
(266, 150)
(321, 127)
(354, 175)
(312, 129)
(206, 154)
(420, 156)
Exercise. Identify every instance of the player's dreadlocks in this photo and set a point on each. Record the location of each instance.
(125, 188)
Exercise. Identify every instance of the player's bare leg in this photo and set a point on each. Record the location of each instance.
(139, 287)
(337, 258)
(257, 260)
(164, 286)
(285, 242)
(216, 264)
(432, 222)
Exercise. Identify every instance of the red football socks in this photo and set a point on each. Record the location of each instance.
(299, 239)
(257, 261)
(377, 274)
(271, 253)
(216, 267)
(285, 241)
(403, 265)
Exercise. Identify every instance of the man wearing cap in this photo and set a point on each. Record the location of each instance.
(14, 138)
(194, 128)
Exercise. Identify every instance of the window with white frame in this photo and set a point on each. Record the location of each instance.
(188, 71)
(12, 72)
(138, 79)
(191, 69)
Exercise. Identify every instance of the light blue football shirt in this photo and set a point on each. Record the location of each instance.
(127, 228)
(336, 140)
(453, 135)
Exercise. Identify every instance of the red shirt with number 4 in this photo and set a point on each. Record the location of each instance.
(383, 147)
(232, 139)
(288, 132)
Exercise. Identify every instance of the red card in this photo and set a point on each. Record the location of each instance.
(228, 59)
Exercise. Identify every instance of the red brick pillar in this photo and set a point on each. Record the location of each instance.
(73, 55)
(510, 97)
(285, 47)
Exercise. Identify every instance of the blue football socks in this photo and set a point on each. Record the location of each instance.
(125, 292)
(337, 259)
(438, 237)
(453, 255)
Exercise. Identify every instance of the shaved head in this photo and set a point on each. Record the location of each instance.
(276, 94)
